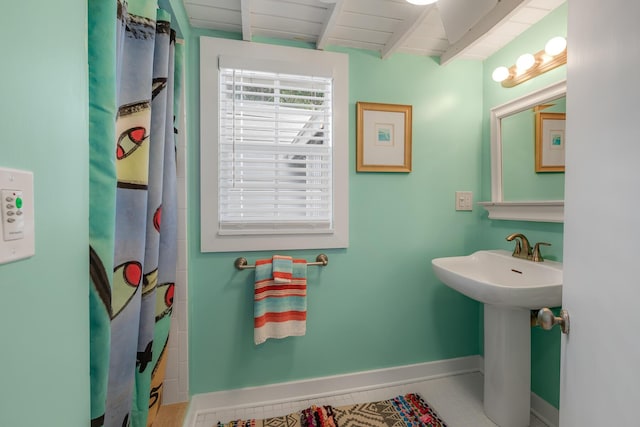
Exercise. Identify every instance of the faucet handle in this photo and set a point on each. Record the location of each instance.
(537, 256)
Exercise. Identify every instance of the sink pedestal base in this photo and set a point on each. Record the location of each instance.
(507, 365)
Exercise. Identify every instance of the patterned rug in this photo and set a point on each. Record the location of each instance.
(402, 411)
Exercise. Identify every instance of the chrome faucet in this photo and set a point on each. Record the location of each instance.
(523, 248)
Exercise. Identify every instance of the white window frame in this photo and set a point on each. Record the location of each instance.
(275, 59)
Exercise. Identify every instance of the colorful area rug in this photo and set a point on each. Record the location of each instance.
(402, 411)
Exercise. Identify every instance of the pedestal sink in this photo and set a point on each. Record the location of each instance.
(509, 288)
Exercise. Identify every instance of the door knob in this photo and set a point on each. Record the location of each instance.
(547, 320)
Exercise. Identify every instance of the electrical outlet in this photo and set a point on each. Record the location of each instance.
(464, 200)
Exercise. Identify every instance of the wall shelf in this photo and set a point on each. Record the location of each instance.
(538, 211)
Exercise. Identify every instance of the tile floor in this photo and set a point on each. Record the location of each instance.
(457, 399)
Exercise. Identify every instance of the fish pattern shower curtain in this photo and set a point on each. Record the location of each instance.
(133, 206)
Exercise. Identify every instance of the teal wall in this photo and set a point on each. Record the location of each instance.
(545, 356)
(179, 18)
(44, 332)
(377, 304)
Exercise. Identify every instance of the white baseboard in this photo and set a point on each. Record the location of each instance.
(325, 386)
(347, 383)
(546, 412)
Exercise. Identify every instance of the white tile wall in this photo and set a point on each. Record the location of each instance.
(176, 383)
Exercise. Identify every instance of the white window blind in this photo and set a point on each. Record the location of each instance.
(275, 153)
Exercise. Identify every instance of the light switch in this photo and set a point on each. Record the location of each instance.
(17, 215)
(464, 200)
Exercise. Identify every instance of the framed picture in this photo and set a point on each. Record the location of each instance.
(550, 142)
(383, 137)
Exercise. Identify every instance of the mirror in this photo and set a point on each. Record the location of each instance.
(521, 179)
(518, 192)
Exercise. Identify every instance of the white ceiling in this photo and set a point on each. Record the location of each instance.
(386, 26)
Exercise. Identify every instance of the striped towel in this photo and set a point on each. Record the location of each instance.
(280, 298)
(282, 268)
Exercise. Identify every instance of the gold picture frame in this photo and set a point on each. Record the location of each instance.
(383, 137)
(550, 141)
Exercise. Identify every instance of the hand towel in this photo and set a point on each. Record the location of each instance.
(282, 268)
(280, 298)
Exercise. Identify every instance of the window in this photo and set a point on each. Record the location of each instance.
(274, 147)
(274, 153)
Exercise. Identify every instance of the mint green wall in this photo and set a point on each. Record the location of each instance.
(377, 304)
(44, 332)
(545, 357)
(179, 18)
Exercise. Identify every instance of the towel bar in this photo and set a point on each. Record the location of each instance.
(242, 263)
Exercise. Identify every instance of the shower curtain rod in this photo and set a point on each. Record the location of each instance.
(242, 263)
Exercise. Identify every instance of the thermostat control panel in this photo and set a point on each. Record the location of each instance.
(16, 196)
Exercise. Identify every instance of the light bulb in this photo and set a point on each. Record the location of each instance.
(499, 74)
(421, 2)
(525, 62)
(555, 46)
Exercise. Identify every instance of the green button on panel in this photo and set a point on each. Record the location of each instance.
(18, 203)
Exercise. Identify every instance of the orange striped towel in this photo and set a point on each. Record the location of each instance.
(280, 306)
(282, 268)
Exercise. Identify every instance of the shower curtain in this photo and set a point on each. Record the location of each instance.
(133, 65)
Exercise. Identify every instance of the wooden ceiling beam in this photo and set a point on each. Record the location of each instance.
(330, 24)
(408, 27)
(245, 13)
(502, 11)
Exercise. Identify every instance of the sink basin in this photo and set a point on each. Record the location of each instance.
(509, 288)
(497, 278)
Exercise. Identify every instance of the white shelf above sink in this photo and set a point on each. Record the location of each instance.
(539, 211)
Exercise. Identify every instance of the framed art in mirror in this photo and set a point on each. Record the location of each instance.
(550, 141)
(383, 137)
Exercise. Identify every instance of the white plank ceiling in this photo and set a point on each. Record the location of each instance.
(386, 26)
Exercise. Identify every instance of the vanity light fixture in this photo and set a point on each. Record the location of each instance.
(421, 2)
(524, 62)
(529, 66)
(555, 46)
